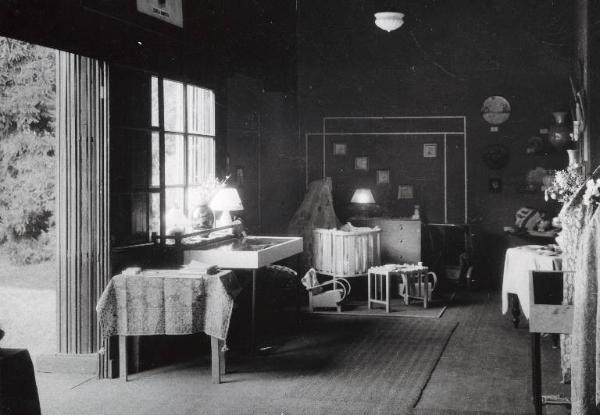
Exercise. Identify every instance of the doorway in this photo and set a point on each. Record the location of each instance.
(27, 196)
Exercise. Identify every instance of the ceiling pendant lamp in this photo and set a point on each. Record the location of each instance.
(389, 21)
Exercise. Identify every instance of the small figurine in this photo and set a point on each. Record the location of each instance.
(417, 214)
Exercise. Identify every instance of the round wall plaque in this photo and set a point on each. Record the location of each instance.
(496, 156)
(495, 110)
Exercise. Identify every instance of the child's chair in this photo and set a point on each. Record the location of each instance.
(318, 297)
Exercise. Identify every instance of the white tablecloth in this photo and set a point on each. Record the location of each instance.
(517, 264)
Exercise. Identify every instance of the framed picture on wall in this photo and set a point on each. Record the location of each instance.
(406, 191)
(361, 163)
(495, 185)
(339, 149)
(430, 150)
(383, 176)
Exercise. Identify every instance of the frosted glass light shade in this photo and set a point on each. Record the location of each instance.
(389, 21)
(226, 199)
(362, 196)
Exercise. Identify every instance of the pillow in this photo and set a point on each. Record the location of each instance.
(527, 218)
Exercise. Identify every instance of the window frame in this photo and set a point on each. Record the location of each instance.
(162, 187)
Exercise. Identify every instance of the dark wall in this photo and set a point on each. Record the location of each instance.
(445, 60)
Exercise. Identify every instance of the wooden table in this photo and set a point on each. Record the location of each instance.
(169, 302)
(379, 284)
(518, 263)
(246, 253)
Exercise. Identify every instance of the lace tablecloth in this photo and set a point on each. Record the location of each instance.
(168, 302)
(517, 264)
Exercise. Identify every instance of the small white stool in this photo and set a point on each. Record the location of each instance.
(415, 283)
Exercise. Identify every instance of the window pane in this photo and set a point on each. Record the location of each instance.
(155, 213)
(139, 215)
(201, 159)
(174, 159)
(174, 215)
(155, 179)
(173, 105)
(154, 101)
(201, 110)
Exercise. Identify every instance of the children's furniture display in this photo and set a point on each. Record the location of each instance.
(348, 252)
(318, 297)
(417, 282)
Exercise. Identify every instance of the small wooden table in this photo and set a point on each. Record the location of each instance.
(379, 284)
(169, 302)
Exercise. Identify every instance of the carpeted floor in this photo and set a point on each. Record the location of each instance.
(347, 365)
(356, 365)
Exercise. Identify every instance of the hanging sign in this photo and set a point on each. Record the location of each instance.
(170, 11)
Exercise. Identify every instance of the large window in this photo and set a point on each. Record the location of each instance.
(183, 150)
(162, 149)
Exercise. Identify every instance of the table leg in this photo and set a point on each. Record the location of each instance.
(253, 312)
(388, 285)
(123, 358)
(369, 279)
(424, 282)
(536, 373)
(515, 310)
(215, 354)
(222, 356)
(406, 294)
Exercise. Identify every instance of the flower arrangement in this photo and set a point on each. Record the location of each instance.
(591, 197)
(565, 184)
(205, 190)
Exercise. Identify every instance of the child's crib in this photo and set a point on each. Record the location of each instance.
(346, 254)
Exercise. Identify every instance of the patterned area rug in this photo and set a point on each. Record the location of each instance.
(398, 308)
(356, 365)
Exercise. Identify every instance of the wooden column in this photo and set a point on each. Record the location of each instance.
(82, 194)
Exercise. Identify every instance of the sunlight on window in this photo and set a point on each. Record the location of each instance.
(201, 110)
(201, 159)
(174, 159)
(155, 167)
(173, 105)
(154, 98)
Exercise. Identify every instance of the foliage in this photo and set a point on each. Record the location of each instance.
(566, 182)
(591, 197)
(32, 250)
(27, 150)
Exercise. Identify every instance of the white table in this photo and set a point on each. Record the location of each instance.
(515, 279)
(247, 253)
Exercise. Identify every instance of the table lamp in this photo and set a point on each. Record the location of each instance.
(362, 196)
(226, 200)
(361, 203)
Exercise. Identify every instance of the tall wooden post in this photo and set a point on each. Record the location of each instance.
(83, 202)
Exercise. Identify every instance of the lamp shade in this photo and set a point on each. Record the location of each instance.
(389, 21)
(226, 199)
(362, 196)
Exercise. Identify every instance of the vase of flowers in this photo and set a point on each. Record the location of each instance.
(202, 217)
(564, 185)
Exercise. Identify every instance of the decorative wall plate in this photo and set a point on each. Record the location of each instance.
(496, 156)
(495, 110)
